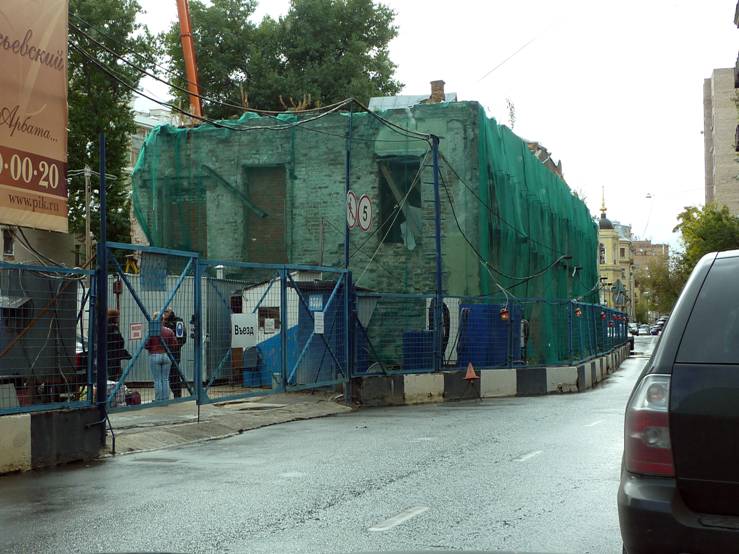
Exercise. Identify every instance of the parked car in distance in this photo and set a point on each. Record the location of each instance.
(654, 330)
(633, 329)
(644, 329)
(679, 489)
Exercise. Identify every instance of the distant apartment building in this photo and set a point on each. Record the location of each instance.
(645, 252)
(720, 129)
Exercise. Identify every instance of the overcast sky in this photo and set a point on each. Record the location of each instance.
(613, 89)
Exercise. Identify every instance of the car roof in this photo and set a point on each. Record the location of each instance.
(728, 254)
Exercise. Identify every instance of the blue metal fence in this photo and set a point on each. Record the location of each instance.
(45, 337)
(185, 328)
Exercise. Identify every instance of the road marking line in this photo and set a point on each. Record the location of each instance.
(594, 423)
(292, 474)
(402, 517)
(527, 456)
(424, 439)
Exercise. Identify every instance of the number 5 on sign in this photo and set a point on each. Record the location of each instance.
(364, 216)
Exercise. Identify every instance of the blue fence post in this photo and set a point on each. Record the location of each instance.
(102, 300)
(91, 351)
(198, 334)
(509, 342)
(284, 323)
(570, 348)
(438, 310)
(347, 179)
(348, 337)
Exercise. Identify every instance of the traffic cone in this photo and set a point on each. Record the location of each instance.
(471, 375)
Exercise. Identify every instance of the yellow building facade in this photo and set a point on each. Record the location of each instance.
(616, 265)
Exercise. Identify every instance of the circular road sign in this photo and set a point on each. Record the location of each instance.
(364, 216)
(351, 209)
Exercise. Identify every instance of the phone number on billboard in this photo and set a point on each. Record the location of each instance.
(22, 170)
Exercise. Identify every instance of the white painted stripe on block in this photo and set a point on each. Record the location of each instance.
(15, 443)
(527, 456)
(497, 382)
(562, 379)
(402, 517)
(594, 423)
(424, 387)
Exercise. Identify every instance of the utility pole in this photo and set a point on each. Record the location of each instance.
(88, 239)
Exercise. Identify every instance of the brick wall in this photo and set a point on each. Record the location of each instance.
(313, 160)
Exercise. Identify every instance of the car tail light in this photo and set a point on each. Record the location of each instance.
(647, 438)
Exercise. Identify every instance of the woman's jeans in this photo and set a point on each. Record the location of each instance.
(159, 365)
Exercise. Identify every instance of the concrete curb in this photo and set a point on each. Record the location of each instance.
(44, 439)
(394, 390)
(147, 439)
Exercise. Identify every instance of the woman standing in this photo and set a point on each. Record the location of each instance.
(159, 360)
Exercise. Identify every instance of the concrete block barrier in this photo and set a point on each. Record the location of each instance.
(492, 383)
(423, 387)
(497, 382)
(565, 379)
(15, 443)
(45, 439)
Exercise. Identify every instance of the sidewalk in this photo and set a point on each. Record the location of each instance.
(177, 424)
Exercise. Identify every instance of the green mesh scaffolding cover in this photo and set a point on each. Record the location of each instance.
(274, 192)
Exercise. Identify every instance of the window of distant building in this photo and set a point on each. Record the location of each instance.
(623, 252)
(602, 252)
(400, 197)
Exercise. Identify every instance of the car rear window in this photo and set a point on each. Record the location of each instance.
(712, 333)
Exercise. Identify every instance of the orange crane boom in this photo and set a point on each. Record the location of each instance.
(188, 53)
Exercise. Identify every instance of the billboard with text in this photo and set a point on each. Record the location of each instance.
(33, 113)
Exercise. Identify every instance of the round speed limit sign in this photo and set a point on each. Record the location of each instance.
(351, 209)
(364, 215)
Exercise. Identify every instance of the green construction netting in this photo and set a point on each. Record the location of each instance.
(274, 192)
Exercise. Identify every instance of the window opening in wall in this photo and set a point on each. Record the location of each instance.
(396, 177)
(237, 303)
(8, 243)
(266, 314)
(623, 252)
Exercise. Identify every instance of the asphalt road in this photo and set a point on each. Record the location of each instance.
(521, 474)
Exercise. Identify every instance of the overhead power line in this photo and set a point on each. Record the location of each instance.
(186, 91)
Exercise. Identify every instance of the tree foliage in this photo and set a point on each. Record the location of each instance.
(320, 52)
(705, 230)
(99, 103)
(660, 282)
(702, 230)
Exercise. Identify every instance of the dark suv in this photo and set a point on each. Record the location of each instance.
(679, 487)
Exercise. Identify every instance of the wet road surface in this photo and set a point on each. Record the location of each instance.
(533, 474)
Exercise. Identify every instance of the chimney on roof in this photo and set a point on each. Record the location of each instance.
(437, 92)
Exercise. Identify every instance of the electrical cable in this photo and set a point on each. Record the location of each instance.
(177, 74)
(422, 166)
(402, 203)
(494, 212)
(487, 264)
(44, 260)
(219, 124)
(182, 89)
